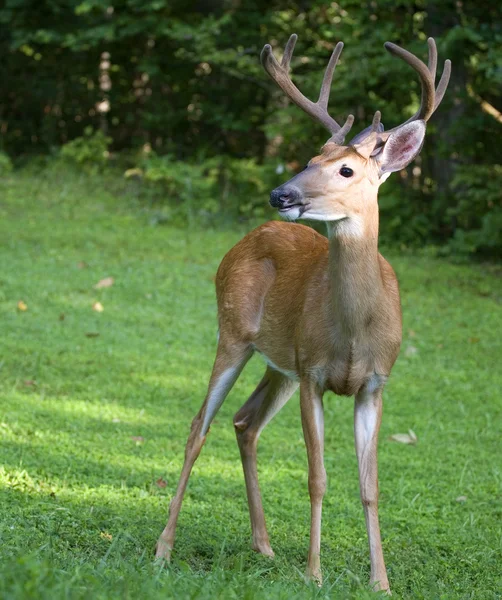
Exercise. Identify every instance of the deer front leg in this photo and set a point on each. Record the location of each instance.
(367, 418)
(313, 430)
(229, 362)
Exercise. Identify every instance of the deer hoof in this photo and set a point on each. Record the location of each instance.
(314, 575)
(381, 586)
(263, 548)
(163, 551)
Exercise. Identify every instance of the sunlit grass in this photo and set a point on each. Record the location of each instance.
(95, 409)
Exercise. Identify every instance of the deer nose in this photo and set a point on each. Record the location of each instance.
(284, 196)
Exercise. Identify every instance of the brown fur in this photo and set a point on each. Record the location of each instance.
(278, 290)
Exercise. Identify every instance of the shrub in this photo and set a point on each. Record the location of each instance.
(89, 152)
(478, 212)
(222, 185)
(5, 164)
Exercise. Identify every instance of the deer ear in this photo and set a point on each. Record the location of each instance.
(367, 145)
(402, 147)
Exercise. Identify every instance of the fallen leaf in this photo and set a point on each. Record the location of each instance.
(98, 307)
(474, 340)
(139, 439)
(62, 317)
(136, 172)
(92, 334)
(161, 483)
(82, 264)
(411, 333)
(410, 351)
(461, 499)
(104, 283)
(106, 536)
(405, 438)
(29, 382)
(22, 306)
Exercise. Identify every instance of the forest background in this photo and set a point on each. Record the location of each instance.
(172, 93)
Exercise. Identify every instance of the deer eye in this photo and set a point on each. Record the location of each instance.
(346, 172)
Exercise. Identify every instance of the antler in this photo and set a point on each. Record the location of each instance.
(431, 96)
(317, 110)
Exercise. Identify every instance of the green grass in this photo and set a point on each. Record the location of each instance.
(80, 509)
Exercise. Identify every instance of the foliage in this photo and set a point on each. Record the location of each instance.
(96, 407)
(210, 186)
(185, 79)
(478, 214)
(89, 152)
(5, 164)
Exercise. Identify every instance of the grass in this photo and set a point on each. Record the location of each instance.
(95, 409)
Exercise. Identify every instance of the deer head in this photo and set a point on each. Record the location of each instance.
(341, 184)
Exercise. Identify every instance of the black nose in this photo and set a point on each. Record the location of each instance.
(284, 196)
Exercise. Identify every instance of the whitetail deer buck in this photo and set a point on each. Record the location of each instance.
(324, 313)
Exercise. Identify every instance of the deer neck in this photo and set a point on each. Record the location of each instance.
(354, 272)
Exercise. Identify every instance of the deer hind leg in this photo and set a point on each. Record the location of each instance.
(368, 415)
(272, 393)
(229, 362)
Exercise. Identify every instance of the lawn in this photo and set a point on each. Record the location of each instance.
(95, 408)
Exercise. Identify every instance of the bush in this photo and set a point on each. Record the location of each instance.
(478, 213)
(89, 152)
(5, 164)
(224, 186)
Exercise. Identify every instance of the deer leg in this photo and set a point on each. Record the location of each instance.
(313, 430)
(272, 393)
(367, 418)
(227, 367)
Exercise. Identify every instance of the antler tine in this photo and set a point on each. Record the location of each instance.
(288, 52)
(433, 57)
(445, 76)
(328, 76)
(443, 83)
(339, 136)
(317, 110)
(376, 121)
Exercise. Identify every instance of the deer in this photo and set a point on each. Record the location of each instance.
(323, 312)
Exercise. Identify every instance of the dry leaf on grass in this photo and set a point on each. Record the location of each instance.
(92, 334)
(405, 438)
(104, 283)
(82, 264)
(29, 382)
(161, 483)
(139, 439)
(22, 306)
(106, 536)
(98, 307)
(136, 172)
